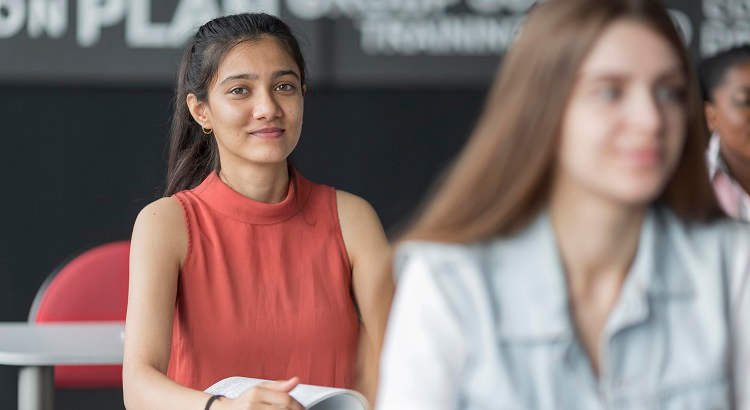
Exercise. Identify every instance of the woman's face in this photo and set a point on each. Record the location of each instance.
(255, 104)
(729, 112)
(625, 122)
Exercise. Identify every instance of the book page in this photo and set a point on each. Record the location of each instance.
(312, 397)
(232, 387)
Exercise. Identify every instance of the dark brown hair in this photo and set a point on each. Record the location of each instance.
(193, 155)
(713, 70)
(502, 177)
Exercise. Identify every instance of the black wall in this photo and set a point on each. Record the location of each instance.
(79, 163)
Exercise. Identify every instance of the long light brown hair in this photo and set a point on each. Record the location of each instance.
(502, 177)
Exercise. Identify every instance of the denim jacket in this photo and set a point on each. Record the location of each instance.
(488, 326)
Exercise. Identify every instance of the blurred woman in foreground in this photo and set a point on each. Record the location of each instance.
(573, 257)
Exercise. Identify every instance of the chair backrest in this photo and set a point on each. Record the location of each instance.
(92, 286)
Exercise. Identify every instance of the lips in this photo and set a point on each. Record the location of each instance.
(268, 133)
(645, 157)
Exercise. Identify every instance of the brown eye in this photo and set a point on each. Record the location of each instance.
(741, 99)
(285, 87)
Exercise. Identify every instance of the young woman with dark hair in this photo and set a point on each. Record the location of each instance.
(725, 78)
(574, 257)
(246, 268)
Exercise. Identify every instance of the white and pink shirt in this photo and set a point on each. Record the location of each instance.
(730, 194)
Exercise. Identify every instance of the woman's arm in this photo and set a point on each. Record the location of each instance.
(157, 250)
(369, 255)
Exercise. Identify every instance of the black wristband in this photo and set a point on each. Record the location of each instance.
(211, 400)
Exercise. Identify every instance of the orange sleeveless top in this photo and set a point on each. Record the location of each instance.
(264, 290)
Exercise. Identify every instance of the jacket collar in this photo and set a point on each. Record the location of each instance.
(533, 296)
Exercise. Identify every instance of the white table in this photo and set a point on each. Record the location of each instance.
(36, 348)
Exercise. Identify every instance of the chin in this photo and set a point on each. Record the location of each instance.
(267, 161)
(271, 156)
(638, 195)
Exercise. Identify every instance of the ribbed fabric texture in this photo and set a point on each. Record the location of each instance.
(265, 289)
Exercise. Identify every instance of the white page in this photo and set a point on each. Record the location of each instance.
(319, 397)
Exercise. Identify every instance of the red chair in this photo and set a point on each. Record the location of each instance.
(91, 287)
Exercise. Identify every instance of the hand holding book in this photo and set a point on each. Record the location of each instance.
(286, 394)
(265, 395)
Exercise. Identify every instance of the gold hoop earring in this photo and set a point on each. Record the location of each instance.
(206, 131)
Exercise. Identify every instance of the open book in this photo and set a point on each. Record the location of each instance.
(311, 397)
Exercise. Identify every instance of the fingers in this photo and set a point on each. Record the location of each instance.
(261, 397)
(282, 385)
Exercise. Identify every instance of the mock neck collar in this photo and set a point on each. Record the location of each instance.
(219, 196)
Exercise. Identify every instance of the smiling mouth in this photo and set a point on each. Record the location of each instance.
(268, 133)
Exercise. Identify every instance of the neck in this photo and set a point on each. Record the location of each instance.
(597, 239)
(266, 183)
(738, 165)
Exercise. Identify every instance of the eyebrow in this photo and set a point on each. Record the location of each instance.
(248, 76)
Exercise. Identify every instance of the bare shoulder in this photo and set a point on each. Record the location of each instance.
(163, 208)
(357, 218)
(165, 205)
(360, 226)
(161, 225)
(161, 216)
(351, 206)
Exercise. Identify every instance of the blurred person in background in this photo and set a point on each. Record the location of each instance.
(574, 256)
(725, 79)
(246, 268)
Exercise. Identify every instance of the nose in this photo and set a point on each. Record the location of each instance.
(266, 107)
(646, 113)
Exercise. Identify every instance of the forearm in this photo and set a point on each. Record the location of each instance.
(367, 369)
(145, 387)
(372, 340)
